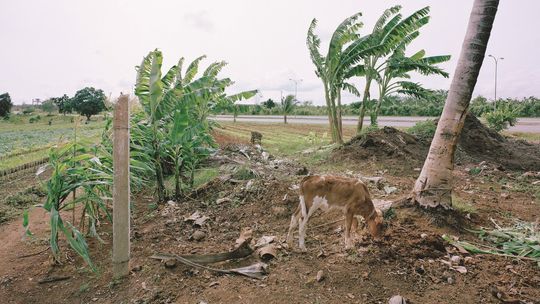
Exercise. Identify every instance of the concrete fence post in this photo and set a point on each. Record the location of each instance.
(121, 191)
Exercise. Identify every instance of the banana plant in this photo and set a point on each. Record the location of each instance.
(391, 31)
(391, 75)
(172, 97)
(189, 141)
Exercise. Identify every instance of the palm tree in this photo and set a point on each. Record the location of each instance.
(433, 187)
(287, 105)
(397, 67)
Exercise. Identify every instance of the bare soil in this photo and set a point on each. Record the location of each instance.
(408, 261)
(477, 143)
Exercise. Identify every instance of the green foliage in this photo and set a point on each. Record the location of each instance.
(175, 131)
(5, 105)
(287, 106)
(463, 207)
(522, 240)
(34, 119)
(269, 104)
(475, 171)
(28, 110)
(76, 168)
(423, 129)
(64, 104)
(48, 106)
(28, 196)
(501, 118)
(243, 173)
(88, 102)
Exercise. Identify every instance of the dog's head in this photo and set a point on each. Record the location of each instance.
(375, 223)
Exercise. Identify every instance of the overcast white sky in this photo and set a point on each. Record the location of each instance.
(59, 46)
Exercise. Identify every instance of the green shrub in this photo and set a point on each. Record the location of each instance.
(244, 173)
(501, 118)
(28, 110)
(423, 129)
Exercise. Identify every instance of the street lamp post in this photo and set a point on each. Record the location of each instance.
(496, 63)
(296, 81)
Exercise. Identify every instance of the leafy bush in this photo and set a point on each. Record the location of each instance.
(423, 129)
(5, 105)
(28, 110)
(84, 172)
(501, 119)
(88, 102)
(34, 119)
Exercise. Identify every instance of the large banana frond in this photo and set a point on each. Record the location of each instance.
(179, 79)
(354, 71)
(396, 30)
(313, 43)
(170, 78)
(381, 22)
(345, 32)
(242, 95)
(214, 68)
(192, 69)
(413, 89)
(351, 89)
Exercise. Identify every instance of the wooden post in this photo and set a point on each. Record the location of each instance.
(121, 192)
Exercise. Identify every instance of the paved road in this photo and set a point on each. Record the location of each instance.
(528, 125)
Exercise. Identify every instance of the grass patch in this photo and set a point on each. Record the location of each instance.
(461, 206)
(534, 137)
(204, 175)
(26, 197)
(423, 129)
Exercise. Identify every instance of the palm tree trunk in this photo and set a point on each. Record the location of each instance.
(285, 118)
(330, 115)
(340, 121)
(363, 106)
(433, 187)
(160, 185)
(375, 117)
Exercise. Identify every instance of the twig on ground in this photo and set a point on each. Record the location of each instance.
(53, 279)
(33, 254)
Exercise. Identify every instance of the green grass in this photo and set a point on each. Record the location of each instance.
(534, 137)
(461, 206)
(204, 175)
(22, 142)
(285, 139)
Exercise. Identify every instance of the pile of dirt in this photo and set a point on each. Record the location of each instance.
(477, 143)
(481, 143)
(387, 145)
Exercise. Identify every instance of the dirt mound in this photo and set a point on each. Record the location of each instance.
(477, 143)
(388, 145)
(481, 143)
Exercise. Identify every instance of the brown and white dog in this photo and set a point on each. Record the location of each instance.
(327, 192)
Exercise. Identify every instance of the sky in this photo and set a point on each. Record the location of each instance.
(55, 47)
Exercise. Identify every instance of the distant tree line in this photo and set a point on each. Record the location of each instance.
(397, 105)
(87, 102)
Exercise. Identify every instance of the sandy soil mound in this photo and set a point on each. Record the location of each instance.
(477, 143)
(481, 143)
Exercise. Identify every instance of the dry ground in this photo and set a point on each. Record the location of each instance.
(408, 261)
